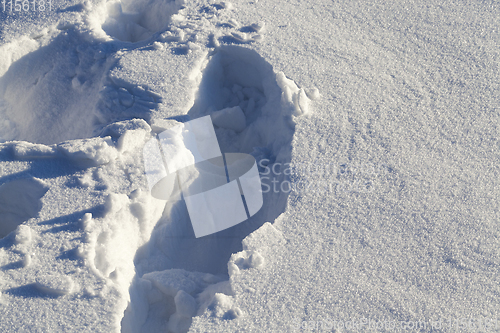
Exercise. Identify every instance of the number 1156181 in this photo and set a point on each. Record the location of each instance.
(26, 5)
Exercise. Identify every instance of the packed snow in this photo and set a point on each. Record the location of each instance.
(374, 128)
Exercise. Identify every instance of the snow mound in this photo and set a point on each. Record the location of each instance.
(65, 90)
(27, 150)
(19, 201)
(46, 95)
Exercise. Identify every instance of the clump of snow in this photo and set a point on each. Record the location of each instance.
(132, 140)
(246, 259)
(27, 260)
(293, 95)
(230, 118)
(86, 180)
(160, 125)
(24, 235)
(117, 129)
(55, 284)
(258, 244)
(185, 304)
(95, 151)
(185, 309)
(28, 150)
(222, 306)
(23, 240)
(87, 223)
(216, 300)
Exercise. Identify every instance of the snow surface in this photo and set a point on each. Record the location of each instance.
(381, 116)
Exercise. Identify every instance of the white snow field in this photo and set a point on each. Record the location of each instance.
(375, 126)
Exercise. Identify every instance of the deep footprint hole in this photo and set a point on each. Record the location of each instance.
(234, 77)
(240, 77)
(134, 21)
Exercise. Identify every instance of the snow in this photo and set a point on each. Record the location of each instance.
(19, 201)
(56, 285)
(373, 126)
(230, 118)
